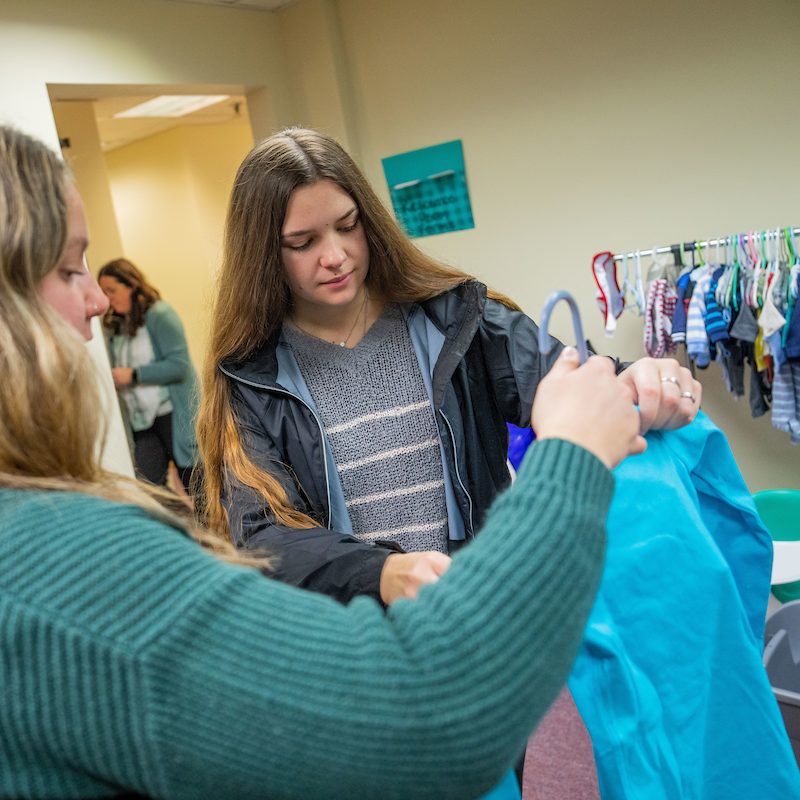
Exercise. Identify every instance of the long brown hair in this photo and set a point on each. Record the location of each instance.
(253, 295)
(143, 296)
(49, 425)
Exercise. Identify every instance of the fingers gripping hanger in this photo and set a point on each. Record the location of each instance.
(545, 342)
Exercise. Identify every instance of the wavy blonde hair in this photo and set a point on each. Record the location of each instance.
(244, 320)
(49, 426)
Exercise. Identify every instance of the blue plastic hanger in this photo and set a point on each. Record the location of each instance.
(545, 344)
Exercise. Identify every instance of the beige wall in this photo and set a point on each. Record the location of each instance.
(317, 70)
(141, 42)
(170, 193)
(590, 126)
(585, 125)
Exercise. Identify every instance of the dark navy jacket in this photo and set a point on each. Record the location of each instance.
(481, 364)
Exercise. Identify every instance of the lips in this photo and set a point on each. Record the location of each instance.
(338, 280)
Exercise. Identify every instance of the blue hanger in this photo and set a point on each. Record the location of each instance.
(545, 345)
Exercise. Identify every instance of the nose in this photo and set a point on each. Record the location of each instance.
(332, 255)
(96, 300)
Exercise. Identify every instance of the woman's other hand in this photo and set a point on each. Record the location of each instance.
(123, 376)
(404, 574)
(589, 406)
(666, 393)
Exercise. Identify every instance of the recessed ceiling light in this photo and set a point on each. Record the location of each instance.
(172, 105)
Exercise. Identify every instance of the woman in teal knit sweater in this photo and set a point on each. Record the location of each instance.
(133, 660)
(152, 372)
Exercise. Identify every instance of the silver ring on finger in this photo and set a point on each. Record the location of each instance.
(688, 396)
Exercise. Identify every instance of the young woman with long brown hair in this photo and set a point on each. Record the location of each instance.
(135, 661)
(356, 391)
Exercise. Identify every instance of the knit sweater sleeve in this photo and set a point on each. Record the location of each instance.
(168, 672)
(172, 361)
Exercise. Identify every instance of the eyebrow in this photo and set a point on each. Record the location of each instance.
(305, 233)
(77, 242)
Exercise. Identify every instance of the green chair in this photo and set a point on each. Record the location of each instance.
(779, 510)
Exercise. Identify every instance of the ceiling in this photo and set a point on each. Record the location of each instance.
(110, 99)
(261, 5)
(115, 132)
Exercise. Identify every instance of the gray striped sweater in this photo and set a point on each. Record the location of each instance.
(379, 422)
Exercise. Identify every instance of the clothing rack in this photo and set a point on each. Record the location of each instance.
(688, 247)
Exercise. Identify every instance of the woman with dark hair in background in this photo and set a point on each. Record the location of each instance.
(152, 372)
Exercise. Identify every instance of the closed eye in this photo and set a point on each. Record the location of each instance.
(299, 247)
(306, 244)
(68, 274)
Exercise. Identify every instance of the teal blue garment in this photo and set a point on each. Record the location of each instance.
(669, 679)
(507, 789)
(173, 368)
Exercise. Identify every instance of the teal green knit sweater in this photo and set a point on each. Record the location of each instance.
(130, 658)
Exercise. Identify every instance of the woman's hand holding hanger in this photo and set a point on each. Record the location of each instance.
(666, 393)
(588, 406)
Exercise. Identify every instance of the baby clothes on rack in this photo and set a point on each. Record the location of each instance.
(717, 317)
(609, 297)
(770, 319)
(791, 338)
(661, 299)
(696, 336)
(612, 299)
(684, 291)
(726, 311)
(786, 400)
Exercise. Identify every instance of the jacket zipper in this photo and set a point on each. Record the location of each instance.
(458, 474)
(313, 414)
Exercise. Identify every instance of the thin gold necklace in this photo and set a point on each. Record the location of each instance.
(344, 341)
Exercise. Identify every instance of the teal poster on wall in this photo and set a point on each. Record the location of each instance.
(428, 189)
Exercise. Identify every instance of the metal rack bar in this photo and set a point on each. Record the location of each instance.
(688, 247)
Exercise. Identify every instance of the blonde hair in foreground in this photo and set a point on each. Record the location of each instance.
(49, 423)
(253, 296)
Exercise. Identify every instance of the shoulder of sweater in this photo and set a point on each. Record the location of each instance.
(160, 308)
(164, 325)
(159, 313)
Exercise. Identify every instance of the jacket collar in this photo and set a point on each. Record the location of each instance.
(456, 313)
(261, 367)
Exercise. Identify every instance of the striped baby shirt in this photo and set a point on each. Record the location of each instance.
(786, 400)
(696, 336)
(661, 299)
(380, 425)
